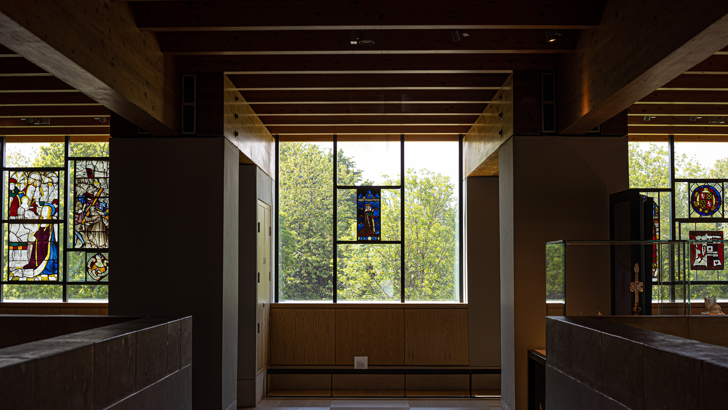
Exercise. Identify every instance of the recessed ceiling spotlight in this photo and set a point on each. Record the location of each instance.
(552, 35)
(366, 42)
(458, 35)
(360, 38)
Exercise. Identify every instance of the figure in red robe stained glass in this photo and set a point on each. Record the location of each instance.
(369, 218)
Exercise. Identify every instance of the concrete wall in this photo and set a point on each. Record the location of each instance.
(175, 244)
(482, 253)
(550, 188)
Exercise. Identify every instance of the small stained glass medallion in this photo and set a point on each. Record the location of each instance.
(706, 200)
(706, 255)
(368, 215)
(29, 191)
(97, 267)
(91, 205)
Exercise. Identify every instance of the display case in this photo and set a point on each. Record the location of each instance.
(589, 278)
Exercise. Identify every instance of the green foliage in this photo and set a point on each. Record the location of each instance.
(370, 271)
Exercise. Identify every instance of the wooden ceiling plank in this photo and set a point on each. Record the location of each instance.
(53, 111)
(14, 67)
(55, 122)
(678, 109)
(370, 119)
(685, 97)
(54, 131)
(355, 81)
(320, 14)
(691, 82)
(98, 51)
(362, 63)
(639, 121)
(32, 84)
(716, 64)
(369, 137)
(678, 130)
(389, 96)
(678, 138)
(603, 77)
(360, 129)
(32, 99)
(316, 109)
(406, 41)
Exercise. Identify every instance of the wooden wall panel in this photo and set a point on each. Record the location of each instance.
(436, 337)
(302, 336)
(376, 333)
(53, 309)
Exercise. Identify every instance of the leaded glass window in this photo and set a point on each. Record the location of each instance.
(56, 221)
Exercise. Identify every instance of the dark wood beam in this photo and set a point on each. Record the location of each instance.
(716, 64)
(69, 131)
(370, 137)
(296, 81)
(683, 97)
(322, 14)
(720, 129)
(395, 109)
(55, 122)
(390, 96)
(370, 119)
(32, 84)
(14, 67)
(457, 63)
(604, 76)
(53, 111)
(374, 129)
(20, 99)
(691, 82)
(96, 48)
(678, 109)
(678, 138)
(393, 41)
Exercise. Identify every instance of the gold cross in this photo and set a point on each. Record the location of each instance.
(636, 287)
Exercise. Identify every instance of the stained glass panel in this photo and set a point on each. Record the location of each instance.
(91, 205)
(706, 255)
(33, 194)
(706, 200)
(33, 251)
(368, 215)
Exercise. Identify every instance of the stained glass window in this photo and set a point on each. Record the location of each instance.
(91, 205)
(706, 199)
(56, 221)
(368, 214)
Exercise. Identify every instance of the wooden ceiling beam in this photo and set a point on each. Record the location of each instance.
(678, 109)
(31, 99)
(394, 41)
(500, 63)
(55, 122)
(387, 96)
(693, 82)
(30, 84)
(672, 120)
(69, 131)
(369, 137)
(322, 14)
(97, 49)
(685, 97)
(364, 129)
(16, 67)
(295, 81)
(603, 76)
(678, 138)
(354, 119)
(390, 109)
(698, 129)
(53, 111)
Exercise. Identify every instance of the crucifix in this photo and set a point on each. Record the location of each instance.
(636, 287)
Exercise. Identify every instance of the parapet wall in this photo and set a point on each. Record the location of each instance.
(135, 364)
(599, 363)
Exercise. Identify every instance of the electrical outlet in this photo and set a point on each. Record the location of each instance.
(361, 362)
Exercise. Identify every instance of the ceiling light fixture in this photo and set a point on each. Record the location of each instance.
(360, 38)
(552, 35)
(458, 35)
(694, 118)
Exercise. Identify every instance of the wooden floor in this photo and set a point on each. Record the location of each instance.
(381, 404)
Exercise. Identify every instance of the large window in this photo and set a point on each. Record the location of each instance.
(379, 248)
(55, 228)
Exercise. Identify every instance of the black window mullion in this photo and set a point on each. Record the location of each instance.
(335, 205)
(2, 226)
(460, 216)
(66, 191)
(402, 261)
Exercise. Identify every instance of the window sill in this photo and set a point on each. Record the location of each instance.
(369, 305)
(54, 304)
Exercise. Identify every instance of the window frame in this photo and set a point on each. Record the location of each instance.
(401, 241)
